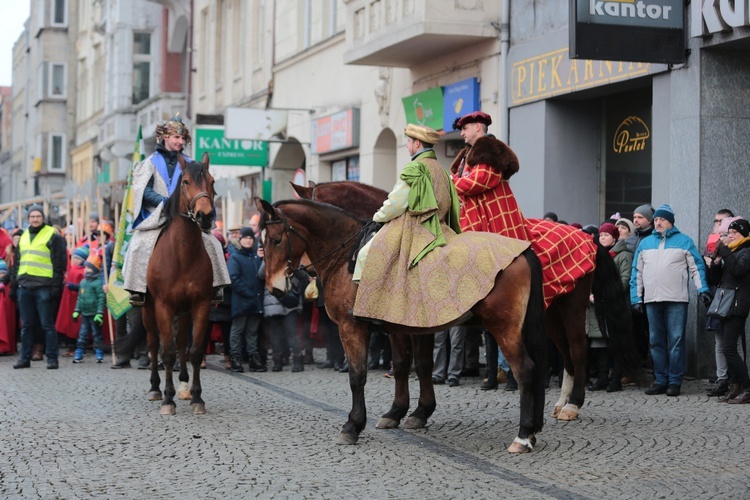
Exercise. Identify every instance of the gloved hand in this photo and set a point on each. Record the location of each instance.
(71, 286)
(99, 319)
(705, 297)
(75, 315)
(637, 308)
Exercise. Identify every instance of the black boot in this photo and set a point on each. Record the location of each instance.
(277, 363)
(309, 359)
(256, 365)
(237, 365)
(490, 383)
(720, 388)
(298, 363)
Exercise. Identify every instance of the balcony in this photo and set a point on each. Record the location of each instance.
(403, 33)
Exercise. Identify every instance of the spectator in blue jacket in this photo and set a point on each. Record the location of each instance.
(247, 303)
(90, 309)
(663, 265)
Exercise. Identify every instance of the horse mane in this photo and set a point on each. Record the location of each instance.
(312, 204)
(197, 171)
(356, 186)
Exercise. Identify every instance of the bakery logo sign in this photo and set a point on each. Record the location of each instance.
(714, 16)
(631, 136)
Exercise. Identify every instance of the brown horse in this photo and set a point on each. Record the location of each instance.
(179, 279)
(565, 317)
(511, 311)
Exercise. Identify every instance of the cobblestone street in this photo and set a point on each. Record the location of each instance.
(88, 431)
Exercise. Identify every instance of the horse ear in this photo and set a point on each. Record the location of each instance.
(205, 159)
(264, 206)
(311, 184)
(302, 191)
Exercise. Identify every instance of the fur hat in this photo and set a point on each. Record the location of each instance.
(475, 117)
(82, 252)
(724, 226)
(742, 226)
(665, 212)
(610, 229)
(627, 223)
(645, 210)
(173, 126)
(421, 133)
(492, 152)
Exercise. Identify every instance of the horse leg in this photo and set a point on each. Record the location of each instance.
(356, 340)
(401, 349)
(165, 316)
(183, 327)
(423, 361)
(197, 351)
(556, 332)
(152, 339)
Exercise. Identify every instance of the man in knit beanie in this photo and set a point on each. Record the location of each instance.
(642, 220)
(666, 261)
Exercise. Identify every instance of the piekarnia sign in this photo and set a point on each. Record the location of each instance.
(628, 30)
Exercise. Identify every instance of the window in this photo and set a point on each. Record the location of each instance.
(141, 67)
(56, 153)
(57, 80)
(59, 12)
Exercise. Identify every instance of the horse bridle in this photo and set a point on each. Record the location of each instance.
(289, 230)
(191, 206)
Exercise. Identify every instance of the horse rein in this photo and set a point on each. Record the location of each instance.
(289, 230)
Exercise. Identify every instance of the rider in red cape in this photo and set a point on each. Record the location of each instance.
(480, 173)
(154, 180)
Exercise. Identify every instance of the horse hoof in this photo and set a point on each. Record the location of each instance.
(522, 445)
(568, 413)
(184, 395)
(414, 423)
(155, 396)
(167, 410)
(346, 439)
(555, 411)
(199, 409)
(386, 423)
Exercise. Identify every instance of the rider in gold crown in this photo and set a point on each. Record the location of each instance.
(154, 180)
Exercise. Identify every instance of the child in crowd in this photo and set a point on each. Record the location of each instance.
(64, 325)
(90, 308)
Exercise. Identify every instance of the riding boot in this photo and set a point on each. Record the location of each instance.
(734, 391)
(277, 362)
(298, 363)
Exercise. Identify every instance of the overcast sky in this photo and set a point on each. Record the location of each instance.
(13, 14)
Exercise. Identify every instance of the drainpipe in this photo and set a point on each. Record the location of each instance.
(504, 45)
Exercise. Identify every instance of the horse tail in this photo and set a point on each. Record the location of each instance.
(612, 308)
(534, 333)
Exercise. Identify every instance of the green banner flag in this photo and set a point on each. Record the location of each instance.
(118, 299)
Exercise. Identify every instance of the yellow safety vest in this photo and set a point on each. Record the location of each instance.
(35, 255)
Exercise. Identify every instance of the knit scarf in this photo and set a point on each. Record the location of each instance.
(738, 243)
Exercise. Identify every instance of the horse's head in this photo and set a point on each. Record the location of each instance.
(306, 193)
(196, 192)
(283, 247)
